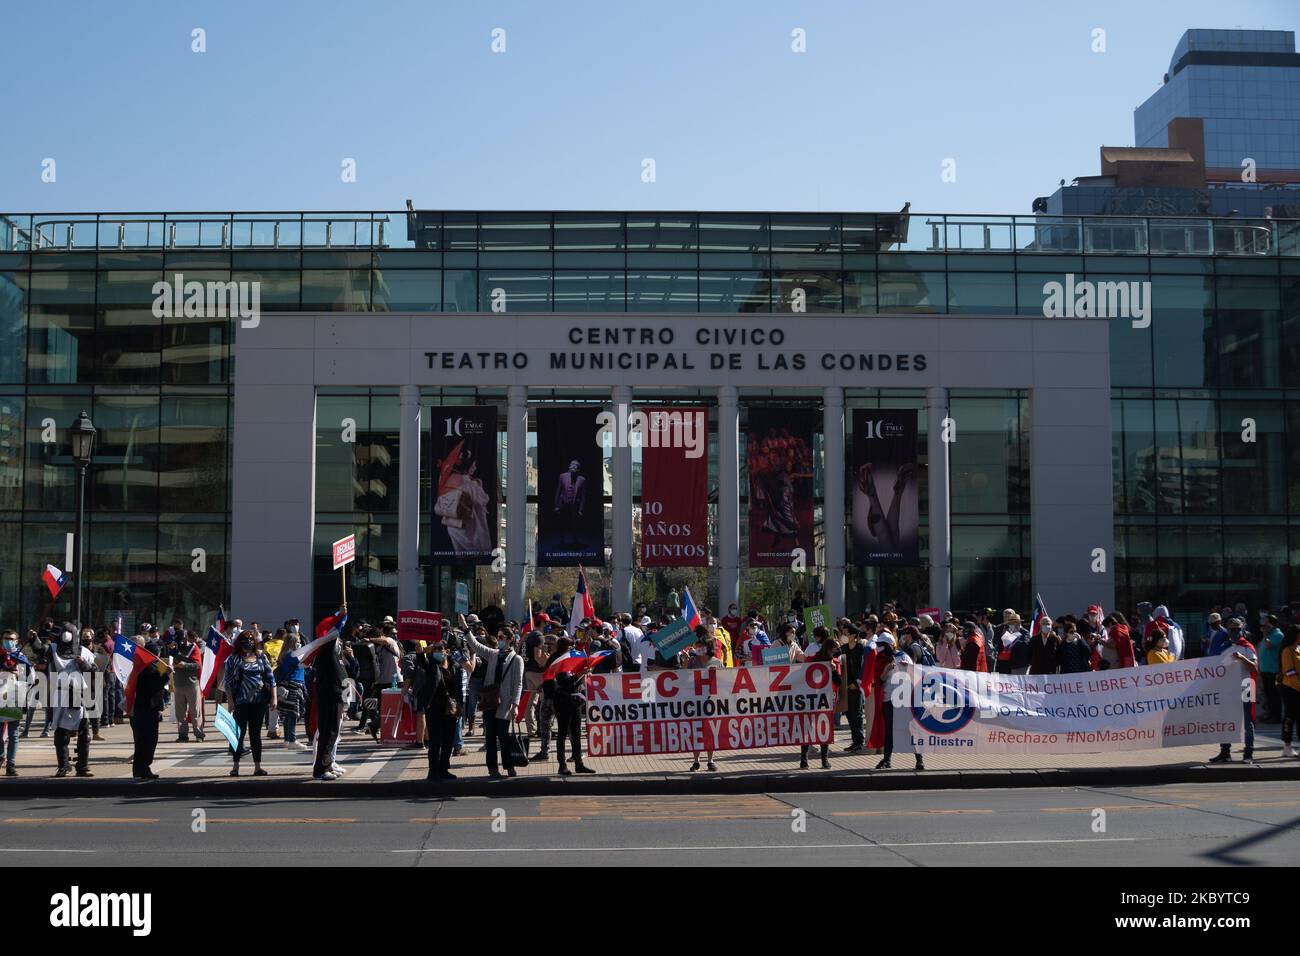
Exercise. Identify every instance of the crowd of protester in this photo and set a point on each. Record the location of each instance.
(473, 681)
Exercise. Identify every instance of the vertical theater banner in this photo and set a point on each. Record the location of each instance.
(570, 488)
(779, 455)
(463, 450)
(886, 492)
(674, 487)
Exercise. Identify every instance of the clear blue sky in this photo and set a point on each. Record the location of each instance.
(585, 90)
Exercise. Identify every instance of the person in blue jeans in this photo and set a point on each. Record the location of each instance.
(1242, 650)
(503, 673)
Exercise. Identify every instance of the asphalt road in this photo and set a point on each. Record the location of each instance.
(1177, 825)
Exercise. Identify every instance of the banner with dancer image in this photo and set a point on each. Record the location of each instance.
(570, 488)
(779, 456)
(463, 456)
(886, 492)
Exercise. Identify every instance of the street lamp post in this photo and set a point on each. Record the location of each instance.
(83, 446)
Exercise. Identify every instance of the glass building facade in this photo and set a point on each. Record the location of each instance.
(1205, 472)
(1245, 85)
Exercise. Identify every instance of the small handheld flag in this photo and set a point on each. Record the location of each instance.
(54, 580)
(582, 606)
(690, 613)
(216, 648)
(1039, 615)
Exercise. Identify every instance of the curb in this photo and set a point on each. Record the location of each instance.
(650, 785)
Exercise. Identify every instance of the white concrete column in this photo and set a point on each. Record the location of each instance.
(621, 514)
(936, 407)
(408, 500)
(728, 499)
(516, 499)
(833, 523)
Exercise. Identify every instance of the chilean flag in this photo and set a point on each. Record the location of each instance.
(575, 662)
(582, 606)
(54, 579)
(1039, 615)
(326, 631)
(216, 648)
(129, 659)
(690, 613)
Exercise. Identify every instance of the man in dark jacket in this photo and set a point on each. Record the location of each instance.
(1074, 654)
(854, 652)
(331, 675)
(1043, 649)
(146, 712)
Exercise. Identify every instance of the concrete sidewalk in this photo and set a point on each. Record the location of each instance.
(384, 768)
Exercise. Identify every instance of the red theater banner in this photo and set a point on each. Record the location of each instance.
(779, 455)
(685, 711)
(674, 488)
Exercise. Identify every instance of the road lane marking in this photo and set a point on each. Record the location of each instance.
(23, 849)
(810, 846)
(904, 813)
(81, 820)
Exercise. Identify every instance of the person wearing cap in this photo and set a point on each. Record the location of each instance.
(1225, 637)
(639, 647)
(1013, 645)
(1242, 650)
(1214, 633)
(535, 655)
(69, 660)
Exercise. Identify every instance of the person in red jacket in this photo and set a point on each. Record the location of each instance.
(1116, 627)
(973, 657)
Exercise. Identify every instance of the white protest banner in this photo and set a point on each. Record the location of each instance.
(680, 711)
(1132, 708)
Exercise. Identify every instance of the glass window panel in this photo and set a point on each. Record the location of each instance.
(408, 290)
(1255, 559)
(1182, 327)
(669, 232)
(820, 291)
(13, 326)
(339, 463)
(517, 290)
(662, 292)
(810, 234)
(859, 292)
(987, 566)
(985, 465)
(1290, 331)
(588, 232)
(514, 232)
(11, 452)
(1247, 319)
(734, 292)
(335, 290)
(62, 327)
(124, 471)
(11, 575)
(49, 477)
(1254, 472)
(981, 293)
(1200, 456)
(589, 291)
(1030, 294)
(912, 292)
(459, 290)
(280, 290)
(192, 454)
(744, 233)
(121, 571)
(859, 234)
(183, 592)
(43, 543)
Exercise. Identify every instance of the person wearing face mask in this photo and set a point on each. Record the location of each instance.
(503, 684)
(250, 686)
(291, 690)
(15, 677)
(443, 702)
(69, 662)
(732, 623)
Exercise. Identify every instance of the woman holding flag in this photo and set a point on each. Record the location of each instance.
(567, 698)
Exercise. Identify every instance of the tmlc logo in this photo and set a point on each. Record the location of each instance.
(884, 429)
(76, 909)
(208, 300)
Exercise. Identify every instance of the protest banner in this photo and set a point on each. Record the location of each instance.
(671, 639)
(225, 724)
(680, 711)
(1134, 708)
(776, 654)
